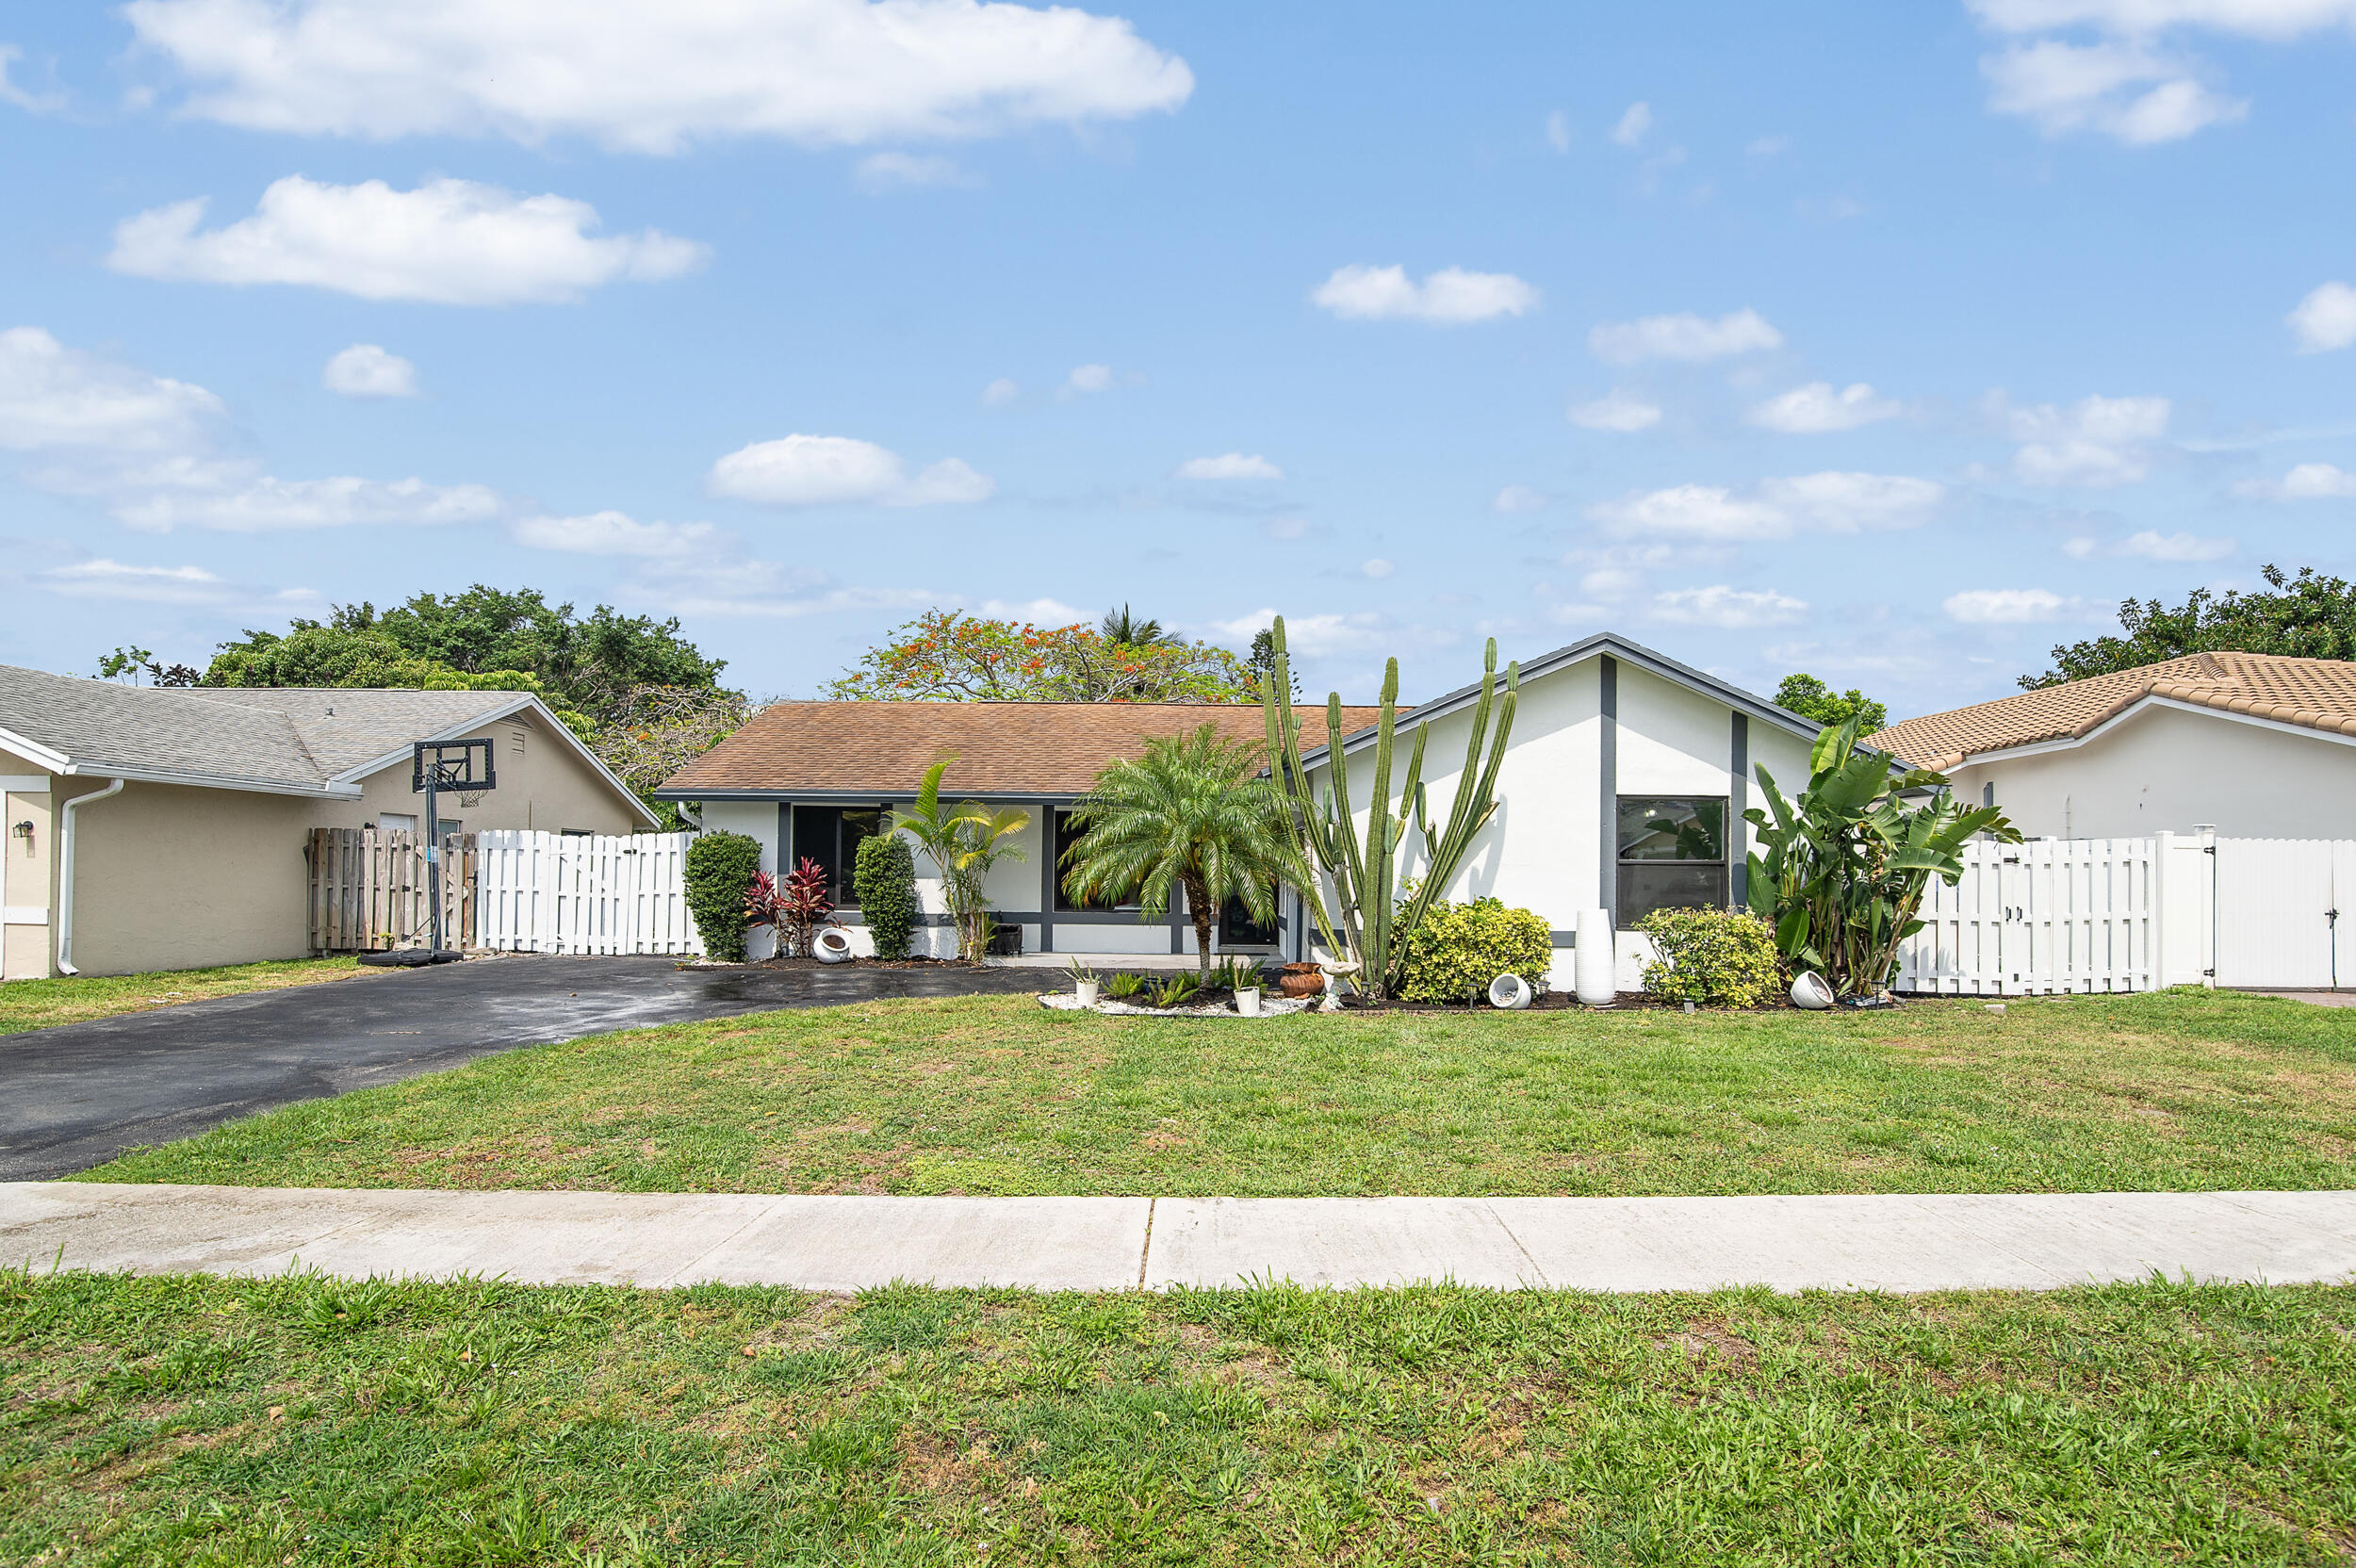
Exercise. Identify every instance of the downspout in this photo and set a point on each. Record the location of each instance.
(65, 875)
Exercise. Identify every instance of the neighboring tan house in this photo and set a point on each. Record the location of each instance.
(1614, 750)
(2255, 746)
(184, 812)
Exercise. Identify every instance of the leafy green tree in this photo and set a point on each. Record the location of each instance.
(1812, 698)
(1192, 813)
(1261, 664)
(2307, 616)
(943, 656)
(596, 665)
(128, 664)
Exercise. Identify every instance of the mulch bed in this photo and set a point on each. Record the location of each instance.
(847, 963)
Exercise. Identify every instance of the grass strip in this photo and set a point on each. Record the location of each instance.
(44, 1003)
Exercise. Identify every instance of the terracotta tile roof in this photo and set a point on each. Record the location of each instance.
(2314, 693)
(1003, 748)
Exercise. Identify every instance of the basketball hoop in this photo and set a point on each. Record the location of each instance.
(463, 767)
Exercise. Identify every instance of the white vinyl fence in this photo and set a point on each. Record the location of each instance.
(553, 892)
(2136, 914)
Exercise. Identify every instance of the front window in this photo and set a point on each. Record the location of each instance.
(1236, 928)
(1673, 855)
(831, 834)
(1069, 833)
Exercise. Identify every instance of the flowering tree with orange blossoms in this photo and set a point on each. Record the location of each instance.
(943, 656)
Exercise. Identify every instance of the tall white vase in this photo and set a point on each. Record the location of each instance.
(1592, 958)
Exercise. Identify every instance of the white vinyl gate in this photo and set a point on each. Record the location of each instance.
(555, 893)
(2278, 905)
(2049, 915)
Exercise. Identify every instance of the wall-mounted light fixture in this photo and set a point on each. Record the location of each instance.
(24, 831)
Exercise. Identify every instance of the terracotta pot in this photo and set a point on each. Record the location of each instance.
(1299, 981)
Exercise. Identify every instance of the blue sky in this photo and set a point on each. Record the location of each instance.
(1893, 343)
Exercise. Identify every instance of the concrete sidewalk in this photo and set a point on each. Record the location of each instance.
(2019, 1241)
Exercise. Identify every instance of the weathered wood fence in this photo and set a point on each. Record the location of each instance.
(368, 891)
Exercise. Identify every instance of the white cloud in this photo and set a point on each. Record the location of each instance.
(1088, 378)
(615, 533)
(2326, 319)
(366, 371)
(1559, 131)
(893, 170)
(55, 398)
(1449, 297)
(1001, 392)
(2094, 443)
(32, 103)
(191, 587)
(2151, 544)
(1816, 408)
(1835, 502)
(2276, 21)
(1516, 498)
(1038, 612)
(1685, 336)
(1730, 609)
(1308, 636)
(1377, 568)
(1615, 410)
(2007, 606)
(447, 242)
(1229, 465)
(2123, 90)
(657, 79)
(1632, 125)
(824, 470)
(2308, 482)
(267, 505)
(149, 446)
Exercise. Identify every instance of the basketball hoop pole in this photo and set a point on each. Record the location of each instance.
(426, 777)
(433, 850)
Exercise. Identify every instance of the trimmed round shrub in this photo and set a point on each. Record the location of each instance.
(884, 874)
(1711, 957)
(720, 868)
(1461, 947)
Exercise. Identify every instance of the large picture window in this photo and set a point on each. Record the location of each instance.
(831, 834)
(1067, 834)
(1673, 855)
(1236, 928)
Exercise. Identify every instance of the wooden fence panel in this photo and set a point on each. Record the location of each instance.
(368, 891)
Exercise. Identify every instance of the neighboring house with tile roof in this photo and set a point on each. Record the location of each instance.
(2257, 745)
(1612, 744)
(196, 804)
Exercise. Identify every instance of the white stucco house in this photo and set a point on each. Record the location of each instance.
(1615, 750)
(150, 828)
(2255, 746)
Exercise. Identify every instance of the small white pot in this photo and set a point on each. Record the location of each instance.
(1809, 991)
(831, 945)
(1085, 990)
(1247, 1001)
(1509, 991)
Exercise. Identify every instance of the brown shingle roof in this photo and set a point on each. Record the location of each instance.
(1003, 748)
(2314, 693)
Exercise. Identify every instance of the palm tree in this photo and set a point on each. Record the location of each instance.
(1122, 629)
(1193, 814)
(964, 841)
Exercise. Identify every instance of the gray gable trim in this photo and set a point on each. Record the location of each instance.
(1602, 643)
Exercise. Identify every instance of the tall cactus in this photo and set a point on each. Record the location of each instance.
(1366, 917)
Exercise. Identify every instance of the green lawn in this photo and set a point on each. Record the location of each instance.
(995, 1095)
(40, 1004)
(195, 1421)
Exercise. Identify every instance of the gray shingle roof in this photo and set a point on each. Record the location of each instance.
(271, 738)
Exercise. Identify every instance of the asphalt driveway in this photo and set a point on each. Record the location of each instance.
(78, 1095)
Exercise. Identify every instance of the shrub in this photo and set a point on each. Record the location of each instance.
(884, 874)
(1459, 948)
(1711, 957)
(720, 869)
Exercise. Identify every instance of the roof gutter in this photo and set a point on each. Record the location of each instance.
(65, 875)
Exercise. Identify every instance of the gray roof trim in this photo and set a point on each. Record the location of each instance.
(861, 797)
(1586, 647)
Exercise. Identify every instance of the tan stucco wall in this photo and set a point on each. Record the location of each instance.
(27, 875)
(2166, 770)
(545, 787)
(167, 877)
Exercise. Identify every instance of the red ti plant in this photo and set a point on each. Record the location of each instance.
(794, 908)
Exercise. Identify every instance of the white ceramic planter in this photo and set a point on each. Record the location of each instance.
(1247, 1001)
(1085, 990)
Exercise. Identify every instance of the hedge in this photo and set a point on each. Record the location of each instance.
(1711, 957)
(720, 868)
(1461, 947)
(884, 874)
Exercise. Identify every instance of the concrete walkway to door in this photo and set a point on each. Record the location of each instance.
(2030, 1241)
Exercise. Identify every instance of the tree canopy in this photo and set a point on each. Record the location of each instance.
(943, 656)
(480, 639)
(1812, 698)
(2307, 616)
